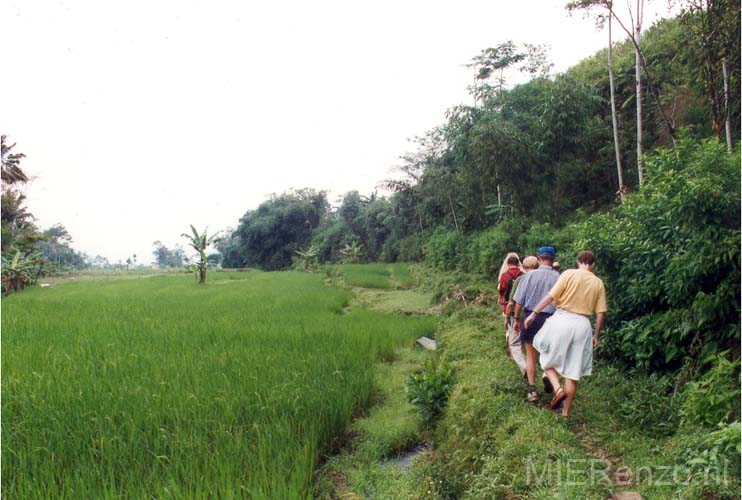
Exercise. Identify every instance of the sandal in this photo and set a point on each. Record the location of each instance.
(559, 396)
(532, 394)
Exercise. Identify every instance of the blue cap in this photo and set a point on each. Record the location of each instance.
(547, 252)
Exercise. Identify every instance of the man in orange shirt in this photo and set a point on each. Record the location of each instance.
(566, 341)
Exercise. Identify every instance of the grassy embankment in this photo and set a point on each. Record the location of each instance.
(162, 388)
(462, 440)
(623, 433)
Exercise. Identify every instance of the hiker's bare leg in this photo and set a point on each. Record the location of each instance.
(570, 388)
(553, 378)
(516, 351)
(531, 356)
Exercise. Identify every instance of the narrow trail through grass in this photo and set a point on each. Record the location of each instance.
(615, 463)
(613, 468)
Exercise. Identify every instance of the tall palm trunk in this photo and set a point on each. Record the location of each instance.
(614, 118)
(453, 212)
(637, 51)
(727, 110)
(642, 63)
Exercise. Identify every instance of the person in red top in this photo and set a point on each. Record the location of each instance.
(509, 272)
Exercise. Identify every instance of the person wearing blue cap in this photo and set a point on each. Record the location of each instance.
(533, 287)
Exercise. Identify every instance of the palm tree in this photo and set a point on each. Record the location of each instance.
(199, 242)
(10, 163)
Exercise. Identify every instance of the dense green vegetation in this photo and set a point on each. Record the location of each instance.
(269, 236)
(159, 387)
(669, 257)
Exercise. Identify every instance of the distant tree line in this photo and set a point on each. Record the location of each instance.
(29, 252)
(542, 152)
(168, 258)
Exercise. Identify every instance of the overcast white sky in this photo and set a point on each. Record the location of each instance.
(141, 117)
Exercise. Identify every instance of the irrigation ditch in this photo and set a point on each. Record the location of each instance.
(382, 444)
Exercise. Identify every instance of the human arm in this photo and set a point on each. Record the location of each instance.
(600, 309)
(509, 312)
(548, 299)
(516, 319)
(510, 308)
(600, 318)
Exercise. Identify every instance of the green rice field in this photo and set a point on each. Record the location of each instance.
(160, 388)
(376, 275)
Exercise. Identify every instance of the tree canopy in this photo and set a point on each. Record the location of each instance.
(269, 236)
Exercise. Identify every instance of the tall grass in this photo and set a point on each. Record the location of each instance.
(161, 388)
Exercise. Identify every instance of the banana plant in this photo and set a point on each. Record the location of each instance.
(18, 271)
(199, 242)
(351, 254)
(307, 260)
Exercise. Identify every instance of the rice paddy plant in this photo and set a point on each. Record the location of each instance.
(378, 275)
(160, 388)
(401, 274)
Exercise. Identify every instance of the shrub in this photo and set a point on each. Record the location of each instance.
(539, 235)
(428, 391)
(444, 249)
(480, 252)
(410, 249)
(486, 250)
(708, 458)
(714, 399)
(306, 260)
(330, 239)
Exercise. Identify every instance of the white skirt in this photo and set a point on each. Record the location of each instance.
(566, 344)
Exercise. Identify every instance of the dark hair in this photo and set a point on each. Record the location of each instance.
(586, 257)
(513, 261)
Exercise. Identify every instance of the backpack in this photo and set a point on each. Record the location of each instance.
(509, 285)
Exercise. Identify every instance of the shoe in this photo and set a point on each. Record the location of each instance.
(559, 396)
(532, 394)
(548, 388)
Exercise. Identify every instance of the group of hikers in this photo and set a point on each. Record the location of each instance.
(550, 313)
